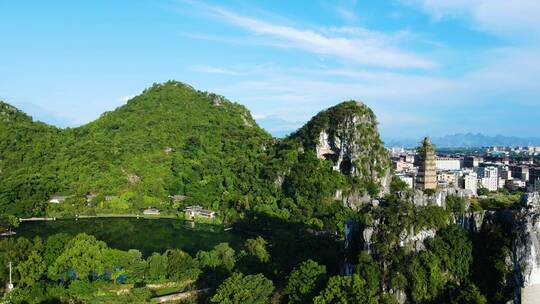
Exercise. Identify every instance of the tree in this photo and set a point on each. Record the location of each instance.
(398, 281)
(209, 259)
(83, 255)
(468, 294)
(490, 270)
(135, 266)
(221, 255)
(483, 191)
(369, 271)
(397, 185)
(54, 246)
(305, 281)
(454, 249)
(456, 204)
(13, 221)
(346, 290)
(257, 248)
(157, 266)
(181, 266)
(226, 255)
(240, 289)
(117, 273)
(82, 290)
(464, 293)
(426, 277)
(31, 270)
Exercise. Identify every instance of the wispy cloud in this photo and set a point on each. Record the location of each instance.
(405, 103)
(507, 18)
(345, 9)
(370, 49)
(346, 13)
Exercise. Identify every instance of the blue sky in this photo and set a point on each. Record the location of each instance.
(426, 67)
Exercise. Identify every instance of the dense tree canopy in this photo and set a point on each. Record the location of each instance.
(239, 289)
(305, 281)
(347, 290)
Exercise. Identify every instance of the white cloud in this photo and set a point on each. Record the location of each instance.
(508, 18)
(405, 104)
(508, 72)
(375, 37)
(370, 49)
(297, 94)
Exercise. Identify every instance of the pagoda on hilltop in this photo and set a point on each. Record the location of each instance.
(427, 172)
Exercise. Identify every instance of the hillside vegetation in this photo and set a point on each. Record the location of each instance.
(175, 140)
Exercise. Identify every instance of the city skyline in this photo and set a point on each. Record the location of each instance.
(430, 67)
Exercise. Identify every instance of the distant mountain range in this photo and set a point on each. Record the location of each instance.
(469, 140)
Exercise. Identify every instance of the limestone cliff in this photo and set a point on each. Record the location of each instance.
(471, 221)
(527, 247)
(438, 198)
(347, 135)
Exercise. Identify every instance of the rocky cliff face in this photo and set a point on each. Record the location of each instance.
(420, 198)
(527, 243)
(9, 113)
(347, 135)
(471, 221)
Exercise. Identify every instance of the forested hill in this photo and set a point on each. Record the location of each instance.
(172, 140)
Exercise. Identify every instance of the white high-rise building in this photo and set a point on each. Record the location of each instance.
(448, 164)
(470, 182)
(488, 177)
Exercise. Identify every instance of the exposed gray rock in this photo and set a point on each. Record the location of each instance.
(132, 178)
(246, 121)
(344, 145)
(530, 201)
(527, 242)
(419, 198)
(352, 199)
(415, 241)
(354, 147)
(367, 234)
(217, 100)
(400, 296)
(471, 221)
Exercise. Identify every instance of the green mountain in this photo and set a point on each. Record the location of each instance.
(175, 140)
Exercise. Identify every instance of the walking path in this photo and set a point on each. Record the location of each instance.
(180, 296)
(32, 219)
